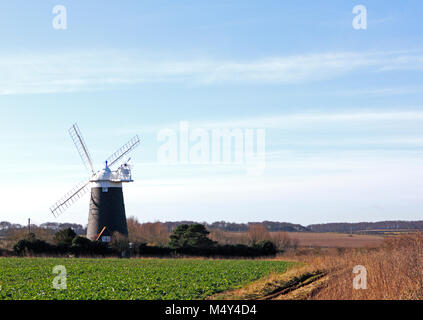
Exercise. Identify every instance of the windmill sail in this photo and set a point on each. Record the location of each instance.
(76, 136)
(125, 149)
(68, 199)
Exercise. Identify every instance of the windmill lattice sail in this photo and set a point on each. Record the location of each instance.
(76, 136)
(69, 198)
(125, 149)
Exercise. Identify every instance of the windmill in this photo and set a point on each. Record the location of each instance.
(107, 208)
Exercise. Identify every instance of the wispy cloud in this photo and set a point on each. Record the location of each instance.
(372, 118)
(70, 72)
(374, 92)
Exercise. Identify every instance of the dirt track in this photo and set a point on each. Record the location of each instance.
(295, 284)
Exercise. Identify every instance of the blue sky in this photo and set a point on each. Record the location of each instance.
(342, 108)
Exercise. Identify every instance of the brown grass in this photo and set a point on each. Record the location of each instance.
(394, 271)
(14, 235)
(299, 239)
(335, 240)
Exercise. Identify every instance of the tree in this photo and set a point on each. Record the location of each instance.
(155, 233)
(134, 230)
(4, 225)
(282, 241)
(64, 237)
(257, 232)
(267, 247)
(190, 236)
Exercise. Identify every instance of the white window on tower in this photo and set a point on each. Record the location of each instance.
(104, 189)
(105, 239)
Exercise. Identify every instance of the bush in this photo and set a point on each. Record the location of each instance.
(101, 248)
(84, 246)
(65, 237)
(239, 250)
(144, 249)
(120, 243)
(266, 247)
(81, 242)
(5, 253)
(32, 245)
(81, 245)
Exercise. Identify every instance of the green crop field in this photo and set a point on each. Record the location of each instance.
(32, 278)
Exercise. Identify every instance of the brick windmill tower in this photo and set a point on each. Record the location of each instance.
(107, 208)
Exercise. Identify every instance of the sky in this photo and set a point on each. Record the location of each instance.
(341, 108)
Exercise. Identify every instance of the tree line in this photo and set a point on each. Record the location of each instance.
(366, 226)
(186, 239)
(161, 228)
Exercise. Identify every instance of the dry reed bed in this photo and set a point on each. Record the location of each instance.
(394, 271)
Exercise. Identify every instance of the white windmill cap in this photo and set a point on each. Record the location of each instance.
(104, 174)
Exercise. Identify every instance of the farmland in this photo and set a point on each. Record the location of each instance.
(333, 240)
(313, 239)
(146, 279)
